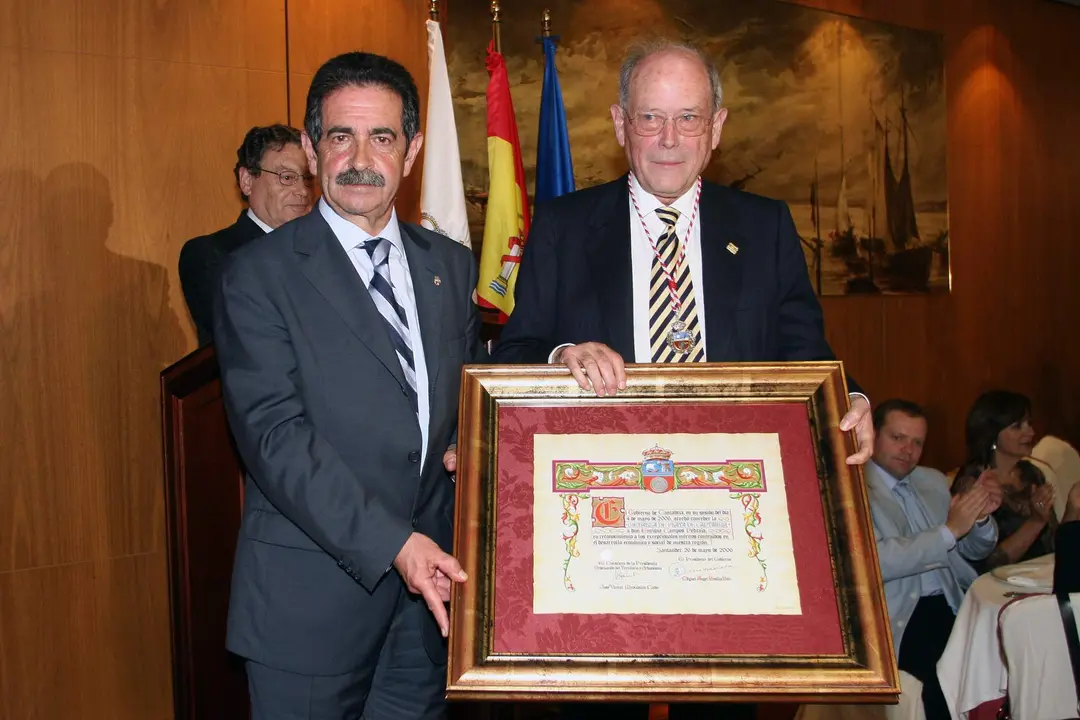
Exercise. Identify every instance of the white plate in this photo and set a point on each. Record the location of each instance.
(1038, 576)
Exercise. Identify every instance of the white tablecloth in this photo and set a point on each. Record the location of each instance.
(971, 669)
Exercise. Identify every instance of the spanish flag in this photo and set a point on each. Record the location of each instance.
(507, 223)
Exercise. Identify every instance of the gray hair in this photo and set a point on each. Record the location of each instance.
(640, 51)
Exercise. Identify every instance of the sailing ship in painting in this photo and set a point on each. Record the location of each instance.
(892, 255)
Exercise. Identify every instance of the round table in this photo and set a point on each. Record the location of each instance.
(971, 669)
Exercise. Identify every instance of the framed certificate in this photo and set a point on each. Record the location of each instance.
(697, 537)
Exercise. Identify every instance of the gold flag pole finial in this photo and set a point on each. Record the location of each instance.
(433, 10)
(496, 21)
(545, 25)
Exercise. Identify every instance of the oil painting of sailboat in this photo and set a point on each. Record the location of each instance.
(840, 117)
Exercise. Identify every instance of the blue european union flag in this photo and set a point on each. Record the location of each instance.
(554, 168)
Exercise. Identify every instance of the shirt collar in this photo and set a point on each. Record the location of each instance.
(649, 203)
(888, 479)
(350, 236)
(255, 219)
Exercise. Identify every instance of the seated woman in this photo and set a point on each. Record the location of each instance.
(999, 435)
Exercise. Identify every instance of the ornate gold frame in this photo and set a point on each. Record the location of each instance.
(866, 672)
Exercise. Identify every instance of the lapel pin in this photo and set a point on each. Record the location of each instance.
(437, 280)
(733, 248)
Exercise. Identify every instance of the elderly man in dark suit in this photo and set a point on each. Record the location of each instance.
(341, 339)
(662, 266)
(271, 172)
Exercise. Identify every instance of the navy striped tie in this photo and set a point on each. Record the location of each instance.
(661, 310)
(393, 315)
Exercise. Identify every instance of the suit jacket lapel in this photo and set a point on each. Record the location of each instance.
(329, 269)
(885, 499)
(722, 272)
(425, 268)
(612, 269)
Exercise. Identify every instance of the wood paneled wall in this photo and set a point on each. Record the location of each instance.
(317, 33)
(119, 123)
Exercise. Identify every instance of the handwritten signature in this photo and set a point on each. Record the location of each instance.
(678, 570)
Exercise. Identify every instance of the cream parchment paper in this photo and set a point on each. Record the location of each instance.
(662, 524)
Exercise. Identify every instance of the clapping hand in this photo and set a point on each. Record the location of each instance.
(965, 509)
(1042, 502)
(988, 480)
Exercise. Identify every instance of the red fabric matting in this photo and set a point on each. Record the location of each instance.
(518, 631)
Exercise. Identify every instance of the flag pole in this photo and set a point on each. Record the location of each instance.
(433, 10)
(496, 22)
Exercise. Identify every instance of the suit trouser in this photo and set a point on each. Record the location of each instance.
(404, 684)
(924, 641)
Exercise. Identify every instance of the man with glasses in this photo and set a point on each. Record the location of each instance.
(663, 266)
(271, 172)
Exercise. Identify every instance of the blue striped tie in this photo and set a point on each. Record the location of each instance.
(397, 322)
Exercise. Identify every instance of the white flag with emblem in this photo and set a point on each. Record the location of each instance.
(442, 198)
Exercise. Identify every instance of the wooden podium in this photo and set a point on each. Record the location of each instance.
(204, 495)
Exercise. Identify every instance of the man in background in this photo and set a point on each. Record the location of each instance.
(924, 539)
(271, 172)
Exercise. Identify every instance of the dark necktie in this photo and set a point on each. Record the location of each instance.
(662, 314)
(393, 314)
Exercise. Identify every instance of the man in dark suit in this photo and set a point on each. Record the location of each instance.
(271, 172)
(661, 266)
(341, 339)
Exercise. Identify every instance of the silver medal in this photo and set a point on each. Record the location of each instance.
(680, 339)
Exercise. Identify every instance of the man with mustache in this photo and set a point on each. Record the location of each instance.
(361, 177)
(341, 340)
(662, 266)
(271, 172)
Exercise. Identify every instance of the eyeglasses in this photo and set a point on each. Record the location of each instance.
(288, 178)
(687, 124)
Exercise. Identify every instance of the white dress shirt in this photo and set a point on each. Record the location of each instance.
(255, 218)
(352, 239)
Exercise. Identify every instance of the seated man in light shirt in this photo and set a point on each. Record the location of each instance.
(923, 537)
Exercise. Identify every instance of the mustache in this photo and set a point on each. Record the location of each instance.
(365, 176)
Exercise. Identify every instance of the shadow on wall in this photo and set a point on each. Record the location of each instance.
(84, 334)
